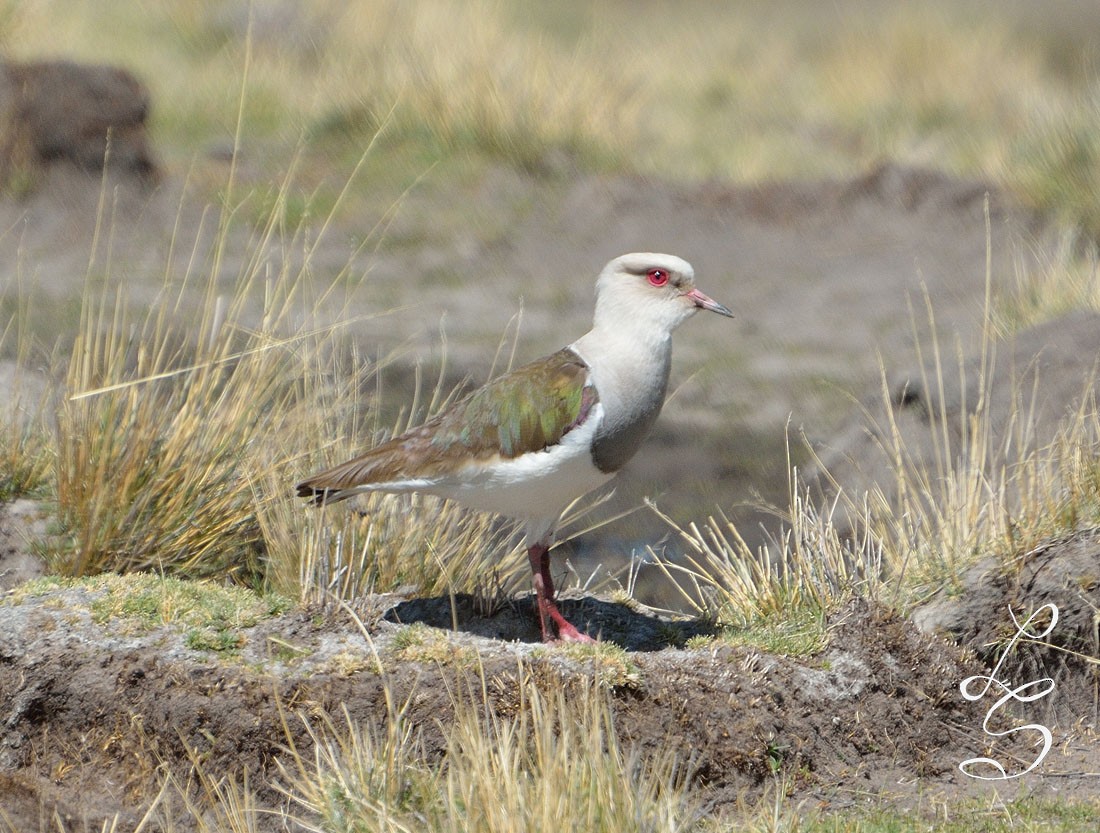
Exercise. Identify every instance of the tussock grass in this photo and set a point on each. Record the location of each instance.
(498, 774)
(461, 74)
(26, 460)
(141, 462)
(179, 435)
(979, 499)
(777, 596)
(25, 453)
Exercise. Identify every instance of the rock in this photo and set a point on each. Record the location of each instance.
(61, 111)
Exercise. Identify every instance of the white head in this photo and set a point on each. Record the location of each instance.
(653, 291)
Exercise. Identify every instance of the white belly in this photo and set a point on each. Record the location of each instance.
(535, 485)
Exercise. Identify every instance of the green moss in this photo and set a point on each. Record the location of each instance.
(802, 633)
(420, 643)
(609, 664)
(145, 601)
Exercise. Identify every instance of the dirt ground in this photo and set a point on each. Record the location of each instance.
(91, 715)
(820, 276)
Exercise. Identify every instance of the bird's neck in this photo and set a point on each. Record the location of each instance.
(630, 372)
(625, 350)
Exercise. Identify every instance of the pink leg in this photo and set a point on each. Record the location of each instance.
(539, 555)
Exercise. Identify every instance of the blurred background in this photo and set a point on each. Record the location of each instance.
(460, 171)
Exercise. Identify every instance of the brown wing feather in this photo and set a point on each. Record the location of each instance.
(527, 410)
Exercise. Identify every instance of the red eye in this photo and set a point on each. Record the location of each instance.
(657, 277)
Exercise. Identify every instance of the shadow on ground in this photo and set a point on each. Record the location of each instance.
(514, 620)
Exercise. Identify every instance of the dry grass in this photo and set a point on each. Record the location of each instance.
(728, 92)
(980, 498)
(777, 596)
(25, 453)
(1064, 280)
(25, 447)
(982, 492)
(178, 437)
(498, 774)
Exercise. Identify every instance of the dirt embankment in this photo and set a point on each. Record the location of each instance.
(89, 715)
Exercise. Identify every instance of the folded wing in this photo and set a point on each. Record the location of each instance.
(522, 412)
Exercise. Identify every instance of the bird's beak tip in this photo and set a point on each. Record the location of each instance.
(704, 302)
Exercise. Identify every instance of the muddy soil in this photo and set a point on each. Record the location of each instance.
(91, 715)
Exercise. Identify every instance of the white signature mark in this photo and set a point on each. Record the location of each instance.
(1024, 693)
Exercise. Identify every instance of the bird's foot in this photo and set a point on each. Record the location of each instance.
(568, 633)
(549, 615)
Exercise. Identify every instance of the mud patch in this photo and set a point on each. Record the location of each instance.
(625, 624)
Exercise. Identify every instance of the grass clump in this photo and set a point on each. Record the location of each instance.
(26, 461)
(141, 461)
(496, 774)
(420, 643)
(801, 634)
(180, 433)
(779, 596)
(606, 664)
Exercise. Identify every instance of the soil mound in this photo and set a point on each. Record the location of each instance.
(89, 712)
(997, 600)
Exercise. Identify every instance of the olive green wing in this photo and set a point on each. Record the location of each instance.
(527, 410)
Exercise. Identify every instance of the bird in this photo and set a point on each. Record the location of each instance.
(531, 441)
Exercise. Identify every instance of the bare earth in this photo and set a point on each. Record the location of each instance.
(90, 713)
(819, 274)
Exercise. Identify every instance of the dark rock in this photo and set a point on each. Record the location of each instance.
(83, 114)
